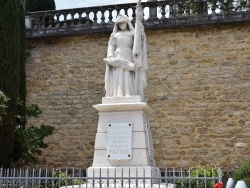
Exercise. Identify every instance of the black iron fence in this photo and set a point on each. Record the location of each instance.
(170, 177)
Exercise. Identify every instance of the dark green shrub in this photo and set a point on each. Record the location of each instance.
(243, 172)
(63, 179)
(28, 143)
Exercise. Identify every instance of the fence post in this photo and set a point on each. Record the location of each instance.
(220, 174)
(115, 177)
(39, 177)
(144, 178)
(33, 176)
(122, 178)
(26, 177)
(129, 177)
(205, 178)
(248, 5)
(197, 179)
(189, 181)
(159, 178)
(100, 178)
(1, 181)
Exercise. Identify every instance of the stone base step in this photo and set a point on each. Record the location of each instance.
(162, 185)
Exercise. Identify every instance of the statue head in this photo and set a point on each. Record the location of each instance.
(121, 19)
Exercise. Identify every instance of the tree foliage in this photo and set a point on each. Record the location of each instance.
(3, 106)
(40, 5)
(197, 7)
(16, 142)
(29, 141)
(9, 70)
(243, 172)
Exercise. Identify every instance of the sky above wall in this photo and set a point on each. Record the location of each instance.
(67, 4)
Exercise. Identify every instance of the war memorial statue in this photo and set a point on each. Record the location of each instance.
(123, 144)
(126, 61)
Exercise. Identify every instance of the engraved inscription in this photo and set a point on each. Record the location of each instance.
(119, 141)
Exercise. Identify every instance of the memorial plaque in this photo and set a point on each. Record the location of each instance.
(119, 141)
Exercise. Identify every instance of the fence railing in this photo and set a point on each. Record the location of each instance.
(101, 18)
(170, 177)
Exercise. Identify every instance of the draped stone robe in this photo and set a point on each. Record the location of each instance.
(120, 69)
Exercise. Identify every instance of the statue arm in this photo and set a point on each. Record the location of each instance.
(111, 47)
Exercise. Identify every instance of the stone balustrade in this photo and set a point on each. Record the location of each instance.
(158, 14)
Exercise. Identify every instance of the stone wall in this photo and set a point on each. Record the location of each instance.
(198, 87)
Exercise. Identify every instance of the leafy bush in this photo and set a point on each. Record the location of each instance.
(28, 141)
(63, 179)
(243, 172)
(208, 171)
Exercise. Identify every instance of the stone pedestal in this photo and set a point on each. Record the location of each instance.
(122, 111)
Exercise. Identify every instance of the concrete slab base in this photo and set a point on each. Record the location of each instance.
(141, 185)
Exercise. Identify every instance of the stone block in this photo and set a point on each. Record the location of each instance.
(140, 157)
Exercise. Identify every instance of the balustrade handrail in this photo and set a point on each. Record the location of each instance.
(158, 14)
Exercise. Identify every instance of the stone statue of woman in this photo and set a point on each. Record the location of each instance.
(126, 60)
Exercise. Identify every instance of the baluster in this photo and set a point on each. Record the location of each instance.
(133, 14)
(171, 9)
(204, 7)
(79, 18)
(213, 6)
(103, 16)
(76, 20)
(187, 8)
(51, 20)
(65, 19)
(72, 19)
(95, 16)
(231, 6)
(175, 9)
(86, 19)
(57, 21)
(180, 10)
(126, 11)
(239, 7)
(118, 11)
(43, 21)
(110, 15)
(221, 6)
(163, 12)
(37, 22)
(248, 5)
(196, 7)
